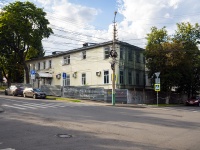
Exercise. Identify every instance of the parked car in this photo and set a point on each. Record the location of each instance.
(34, 93)
(194, 100)
(14, 90)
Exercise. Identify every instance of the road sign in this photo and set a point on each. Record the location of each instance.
(157, 74)
(157, 87)
(64, 75)
(32, 72)
(33, 76)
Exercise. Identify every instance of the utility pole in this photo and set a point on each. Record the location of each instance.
(113, 54)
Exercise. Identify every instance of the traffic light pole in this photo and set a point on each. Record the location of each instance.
(113, 61)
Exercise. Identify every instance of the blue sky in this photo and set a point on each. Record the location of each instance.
(77, 21)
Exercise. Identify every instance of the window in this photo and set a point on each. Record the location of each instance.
(66, 60)
(121, 54)
(130, 77)
(83, 78)
(84, 55)
(39, 66)
(106, 77)
(137, 78)
(33, 67)
(67, 80)
(137, 57)
(130, 55)
(44, 65)
(50, 64)
(106, 52)
(121, 77)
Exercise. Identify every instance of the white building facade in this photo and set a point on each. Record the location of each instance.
(91, 66)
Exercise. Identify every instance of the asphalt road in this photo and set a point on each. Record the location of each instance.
(28, 124)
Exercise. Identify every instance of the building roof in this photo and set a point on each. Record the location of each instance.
(94, 45)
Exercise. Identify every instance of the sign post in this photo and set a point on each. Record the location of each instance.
(64, 76)
(157, 84)
(157, 89)
(33, 76)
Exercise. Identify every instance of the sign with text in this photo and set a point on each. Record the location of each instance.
(157, 87)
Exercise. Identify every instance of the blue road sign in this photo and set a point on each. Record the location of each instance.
(64, 75)
(32, 72)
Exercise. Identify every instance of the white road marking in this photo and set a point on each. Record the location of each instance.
(24, 106)
(14, 107)
(8, 149)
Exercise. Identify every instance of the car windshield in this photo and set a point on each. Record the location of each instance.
(37, 90)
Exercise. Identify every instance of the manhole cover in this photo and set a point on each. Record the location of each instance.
(64, 135)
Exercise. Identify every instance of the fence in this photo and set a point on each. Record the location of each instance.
(137, 96)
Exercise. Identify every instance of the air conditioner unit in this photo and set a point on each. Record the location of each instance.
(58, 76)
(98, 73)
(74, 74)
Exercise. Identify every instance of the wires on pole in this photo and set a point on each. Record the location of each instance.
(113, 54)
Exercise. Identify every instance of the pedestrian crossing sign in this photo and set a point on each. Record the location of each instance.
(157, 87)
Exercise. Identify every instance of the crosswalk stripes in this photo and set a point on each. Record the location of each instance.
(195, 110)
(27, 105)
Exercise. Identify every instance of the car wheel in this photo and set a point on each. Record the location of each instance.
(34, 96)
(24, 95)
(14, 94)
(6, 93)
(199, 104)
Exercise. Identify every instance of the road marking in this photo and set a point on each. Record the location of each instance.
(24, 106)
(8, 149)
(14, 107)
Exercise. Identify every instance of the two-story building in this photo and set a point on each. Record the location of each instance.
(90, 66)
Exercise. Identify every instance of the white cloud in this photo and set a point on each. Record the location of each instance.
(141, 15)
(137, 17)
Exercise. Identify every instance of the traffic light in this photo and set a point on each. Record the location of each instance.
(113, 54)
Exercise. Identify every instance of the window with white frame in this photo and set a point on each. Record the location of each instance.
(84, 55)
(106, 52)
(121, 77)
(38, 68)
(106, 77)
(67, 80)
(66, 60)
(50, 63)
(33, 67)
(44, 64)
(83, 78)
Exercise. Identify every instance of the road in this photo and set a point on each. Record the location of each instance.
(28, 124)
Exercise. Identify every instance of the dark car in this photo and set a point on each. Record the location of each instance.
(14, 90)
(34, 92)
(194, 100)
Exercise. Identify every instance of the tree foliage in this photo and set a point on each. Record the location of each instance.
(22, 28)
(176, 57)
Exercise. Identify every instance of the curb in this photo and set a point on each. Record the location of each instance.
(1, 110)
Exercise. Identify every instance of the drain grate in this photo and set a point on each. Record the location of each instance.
(64, 135)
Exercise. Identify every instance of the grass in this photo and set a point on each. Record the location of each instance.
(63, 99)
(2, 87)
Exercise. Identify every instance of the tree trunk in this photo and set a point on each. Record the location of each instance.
(26, 73)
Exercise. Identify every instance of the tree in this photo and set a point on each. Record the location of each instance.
(22, 28)
(176, 57)
(189, 35)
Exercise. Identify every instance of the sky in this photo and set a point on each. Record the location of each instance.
(75, 22)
